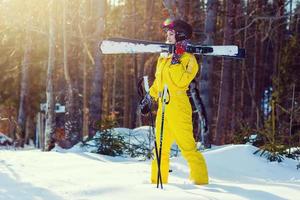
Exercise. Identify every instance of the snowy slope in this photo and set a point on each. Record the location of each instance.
(235, 173)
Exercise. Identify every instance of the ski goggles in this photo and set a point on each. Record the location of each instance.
(168, 24)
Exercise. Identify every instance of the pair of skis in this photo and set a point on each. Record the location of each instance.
(158, 151)
(130, 46)
(201, 113)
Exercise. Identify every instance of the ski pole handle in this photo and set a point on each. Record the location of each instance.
(146, 84)
(165, 92)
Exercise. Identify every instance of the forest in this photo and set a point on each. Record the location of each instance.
(55, 79)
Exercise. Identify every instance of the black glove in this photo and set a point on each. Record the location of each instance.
(145, 104)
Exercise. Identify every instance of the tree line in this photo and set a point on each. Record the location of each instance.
(50, 54)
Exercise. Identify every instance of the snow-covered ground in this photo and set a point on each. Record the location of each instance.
(235, 173)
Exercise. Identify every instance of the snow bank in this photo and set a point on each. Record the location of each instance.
(4, 140)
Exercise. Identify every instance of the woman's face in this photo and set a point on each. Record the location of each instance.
(171, 37)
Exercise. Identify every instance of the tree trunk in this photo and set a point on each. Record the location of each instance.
(205, 83)
(279, 38)
(224, 105)
(256, 69)
(50, 103)
(114, 84)
(141, 71)
(133, 114)
(72, 129)
(243, 70)
(126, 96)
(24, 90)
(96, 90)
(29, 129)
(85, 123)
(238, 72)
(84, 15)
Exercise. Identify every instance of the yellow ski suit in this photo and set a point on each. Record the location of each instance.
(178, 125)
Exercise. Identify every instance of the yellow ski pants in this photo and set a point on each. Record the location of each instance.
(178, 128)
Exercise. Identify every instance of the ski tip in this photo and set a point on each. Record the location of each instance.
(241, 53)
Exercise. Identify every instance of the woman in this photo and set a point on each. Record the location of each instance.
(177, 70)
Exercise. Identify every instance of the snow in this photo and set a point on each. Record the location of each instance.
(235, 174)
(4, 139)
(139, 138)
(58, 108)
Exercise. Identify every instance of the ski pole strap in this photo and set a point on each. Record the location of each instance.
(164, 95)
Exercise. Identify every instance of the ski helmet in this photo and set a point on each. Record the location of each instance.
(182, 29)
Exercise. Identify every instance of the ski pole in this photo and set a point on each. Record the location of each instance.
(159, 180)
(146, 85)
(164, 101)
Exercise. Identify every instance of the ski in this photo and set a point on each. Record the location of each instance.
(131, 46)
